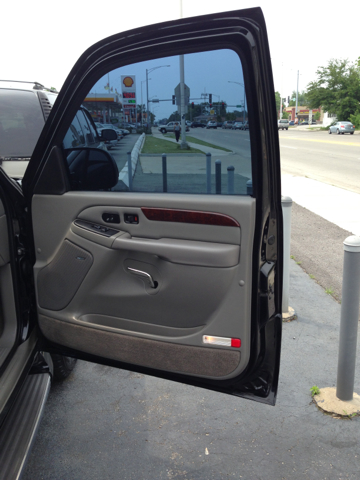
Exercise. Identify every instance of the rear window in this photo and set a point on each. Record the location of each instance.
(21, 122)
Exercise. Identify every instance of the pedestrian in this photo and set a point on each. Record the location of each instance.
(177, 130)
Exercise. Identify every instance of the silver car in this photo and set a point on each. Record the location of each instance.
(342, 127)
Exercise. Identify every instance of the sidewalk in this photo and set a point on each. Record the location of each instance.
(334, 204)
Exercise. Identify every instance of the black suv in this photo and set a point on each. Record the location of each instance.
(24, 109)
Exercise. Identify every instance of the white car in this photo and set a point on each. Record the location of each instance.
(211, 124)
(283, 124)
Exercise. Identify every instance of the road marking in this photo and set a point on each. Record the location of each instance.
(285, 146)
(322, 141)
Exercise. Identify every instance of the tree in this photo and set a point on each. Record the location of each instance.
(337, 89)
(277, 101)
(302, 99)
(285, 115)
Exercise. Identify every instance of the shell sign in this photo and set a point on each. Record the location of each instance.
(128, 90)
(128, 82)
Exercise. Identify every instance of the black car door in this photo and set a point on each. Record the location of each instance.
(174, 269)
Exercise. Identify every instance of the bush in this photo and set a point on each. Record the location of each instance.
(355, 119)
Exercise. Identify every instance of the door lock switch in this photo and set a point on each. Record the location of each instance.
(132, 218)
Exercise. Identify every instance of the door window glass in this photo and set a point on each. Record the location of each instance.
(179, 119)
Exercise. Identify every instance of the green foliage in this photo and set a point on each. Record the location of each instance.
(285, 115)
(302, 99)
(337, 89)
(317, 116)
(314, 390)
(355, 119)
(277, 101)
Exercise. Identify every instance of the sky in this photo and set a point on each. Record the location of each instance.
(42, 41)
(213, 72)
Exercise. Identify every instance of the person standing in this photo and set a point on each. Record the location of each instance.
(177, 130)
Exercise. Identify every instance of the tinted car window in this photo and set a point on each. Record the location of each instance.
(21, 122)
(74, 136)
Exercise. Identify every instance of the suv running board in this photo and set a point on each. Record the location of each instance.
(19, 428)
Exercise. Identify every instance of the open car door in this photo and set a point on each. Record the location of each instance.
(170, 267)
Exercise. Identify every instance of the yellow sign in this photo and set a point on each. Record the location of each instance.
(212, 112)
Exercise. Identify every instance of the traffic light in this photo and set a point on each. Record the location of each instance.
(192, 105)
(173, 99)
(288, 99)
(210, 98)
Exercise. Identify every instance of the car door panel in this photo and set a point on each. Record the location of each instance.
(191, 290)
(89, 273)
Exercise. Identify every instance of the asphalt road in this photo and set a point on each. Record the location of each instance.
(333, 159)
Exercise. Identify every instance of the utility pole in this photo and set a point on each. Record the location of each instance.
(297, 93)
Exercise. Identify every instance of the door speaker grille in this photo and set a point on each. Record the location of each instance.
(59, 281)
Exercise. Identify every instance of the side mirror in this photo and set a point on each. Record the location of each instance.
(92, 168)
(108, 134)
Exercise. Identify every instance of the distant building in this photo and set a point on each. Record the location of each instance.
(303, 113)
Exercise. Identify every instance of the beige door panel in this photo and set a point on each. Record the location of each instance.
(89, 283)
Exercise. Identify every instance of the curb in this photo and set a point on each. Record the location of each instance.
(123, 175)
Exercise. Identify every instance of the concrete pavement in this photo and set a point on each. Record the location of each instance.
(105, 423)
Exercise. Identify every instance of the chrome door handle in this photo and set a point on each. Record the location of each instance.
(144, 275)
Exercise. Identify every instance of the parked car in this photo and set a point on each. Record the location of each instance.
(109, 143)
(292, 122)
(245, 125)
(219, 124)
(170, 127)
(304, 123)
(198, 125)
(179, 284)
(342, 127)
(211, 124)
(237, 126)
(227, 124)
(283, 124)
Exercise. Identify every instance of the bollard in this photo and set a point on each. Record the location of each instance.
(208, 173)
(286, 204)
(218, 177)
(349, 319)
(231, 179)
(129, 171)
(249, 189)
(164, 172)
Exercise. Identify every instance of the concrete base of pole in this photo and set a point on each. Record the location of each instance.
(327, 401)
(289, 316)
(184, 146)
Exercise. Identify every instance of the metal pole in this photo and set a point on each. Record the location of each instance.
(218, 177)
(129, 171)
(286, 203)
(147, 101)
(297, 93)
(208, 173)
(164, 172)
(349, 319)
(249, 187)
(231, 178)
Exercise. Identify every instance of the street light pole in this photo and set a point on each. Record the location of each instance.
(242, 85)
(147, 87)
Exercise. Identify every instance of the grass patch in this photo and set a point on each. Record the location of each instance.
(199, 142)
(159, 146)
